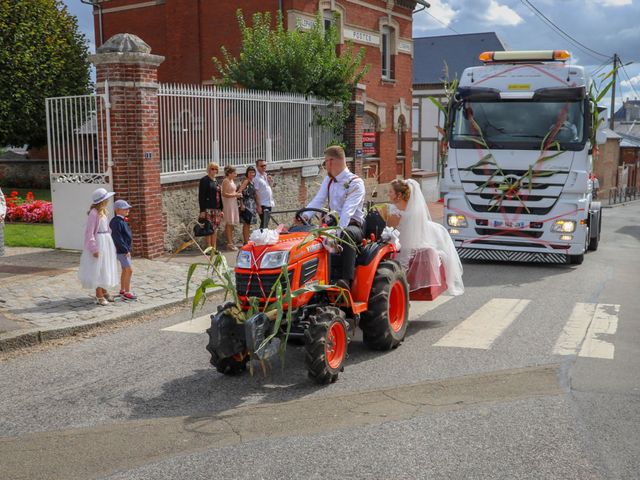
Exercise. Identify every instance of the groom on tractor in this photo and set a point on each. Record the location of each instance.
(343, 191)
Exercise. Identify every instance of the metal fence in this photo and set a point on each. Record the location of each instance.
(202, 124)
(78, 138)
(623, 194)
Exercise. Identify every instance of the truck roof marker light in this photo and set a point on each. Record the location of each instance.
(486, 57)
(525, 56)
(561, 55)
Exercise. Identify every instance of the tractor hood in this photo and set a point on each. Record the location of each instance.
(298, 244)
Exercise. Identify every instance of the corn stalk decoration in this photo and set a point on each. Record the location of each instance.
(220, 275)
(446, 108)
(597, 92)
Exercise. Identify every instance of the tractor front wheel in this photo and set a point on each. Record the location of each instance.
(326, 344)
(230, 365)
(384, 324)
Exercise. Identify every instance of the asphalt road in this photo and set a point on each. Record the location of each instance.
(485, 386)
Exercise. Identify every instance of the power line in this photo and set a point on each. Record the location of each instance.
(624, 70)
(593, 73)
(561, 32)
(440, 21)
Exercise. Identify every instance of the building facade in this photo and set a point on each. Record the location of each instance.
(189, 33)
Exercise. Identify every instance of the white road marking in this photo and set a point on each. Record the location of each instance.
(484, 325)
(200, 324)
(573, 333)
(605, 322)
(418, 309)
(196, 325)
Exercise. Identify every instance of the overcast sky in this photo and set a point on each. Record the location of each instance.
(604, 26)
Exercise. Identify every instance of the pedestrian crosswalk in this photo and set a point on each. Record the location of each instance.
(485, 325)
(586, 333)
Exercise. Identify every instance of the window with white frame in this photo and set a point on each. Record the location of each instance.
(329, 19)
(387, 50)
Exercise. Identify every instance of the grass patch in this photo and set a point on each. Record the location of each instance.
(40, 194)
(29, 235)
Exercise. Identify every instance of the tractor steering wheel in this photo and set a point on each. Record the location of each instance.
(319, 213)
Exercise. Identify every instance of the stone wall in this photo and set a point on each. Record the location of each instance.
(24, 173)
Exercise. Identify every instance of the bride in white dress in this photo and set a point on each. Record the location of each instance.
(423, 243)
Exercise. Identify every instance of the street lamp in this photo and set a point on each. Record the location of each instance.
(96, 3)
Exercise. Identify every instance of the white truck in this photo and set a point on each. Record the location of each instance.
(518, 178)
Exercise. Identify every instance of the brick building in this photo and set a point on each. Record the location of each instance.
(188, 33)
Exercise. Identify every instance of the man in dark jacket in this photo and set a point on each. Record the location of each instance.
(123, 239)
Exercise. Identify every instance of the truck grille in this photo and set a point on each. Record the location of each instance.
(537, 198)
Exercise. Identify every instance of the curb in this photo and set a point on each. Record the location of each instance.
(36, 337)
(622, 204)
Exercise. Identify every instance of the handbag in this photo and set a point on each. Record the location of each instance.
(203, 228)
(246, 216)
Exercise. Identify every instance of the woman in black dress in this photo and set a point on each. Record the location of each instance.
(210, 201)
(249, 203)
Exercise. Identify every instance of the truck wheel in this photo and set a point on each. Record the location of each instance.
(326, 344)
(576, 259)
(593, 243)
(230, 365)
(384, 324)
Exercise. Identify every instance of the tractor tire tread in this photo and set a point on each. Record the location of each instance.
(315, 336)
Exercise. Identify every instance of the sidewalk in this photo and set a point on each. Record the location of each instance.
(41, 297)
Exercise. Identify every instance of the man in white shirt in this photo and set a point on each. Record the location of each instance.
(263, 183)
(344, 192)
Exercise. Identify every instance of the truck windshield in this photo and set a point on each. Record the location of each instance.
(519, 124)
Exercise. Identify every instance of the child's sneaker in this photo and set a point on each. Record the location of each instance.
(128, 296)
(122, 292)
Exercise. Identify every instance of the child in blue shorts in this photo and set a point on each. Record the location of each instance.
(123, 239)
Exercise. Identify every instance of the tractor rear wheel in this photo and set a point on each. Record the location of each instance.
(326, 344)
(384, 324)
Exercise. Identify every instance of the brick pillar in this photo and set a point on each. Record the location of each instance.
(125, 64)
(354, 127)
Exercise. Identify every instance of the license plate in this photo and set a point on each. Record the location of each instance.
(507, 224)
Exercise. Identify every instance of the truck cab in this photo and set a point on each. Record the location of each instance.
(517, 180)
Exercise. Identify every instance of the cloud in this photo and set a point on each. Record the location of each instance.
(633, 81)
(439, 15)
(615, 3)
(498, 14)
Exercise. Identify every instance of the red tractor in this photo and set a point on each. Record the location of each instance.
(326, 318)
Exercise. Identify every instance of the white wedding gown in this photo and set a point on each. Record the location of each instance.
(424, 244)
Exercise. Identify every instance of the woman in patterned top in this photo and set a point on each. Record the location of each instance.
(249, 203)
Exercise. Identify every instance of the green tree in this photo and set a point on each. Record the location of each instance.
(305, 62)
(42, 54)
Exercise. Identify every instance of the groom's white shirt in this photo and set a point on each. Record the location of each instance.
(345, 195)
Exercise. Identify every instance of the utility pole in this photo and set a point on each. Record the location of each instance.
(613, 90)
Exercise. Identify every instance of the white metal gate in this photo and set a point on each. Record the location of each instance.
(79, 144)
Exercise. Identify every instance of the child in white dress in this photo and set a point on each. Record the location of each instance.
(98, 265)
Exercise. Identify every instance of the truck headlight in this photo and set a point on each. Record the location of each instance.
(275, 259)
(244, 259)
(564, 226)
(456, 220)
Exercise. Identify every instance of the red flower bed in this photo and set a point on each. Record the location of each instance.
(28, 209)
